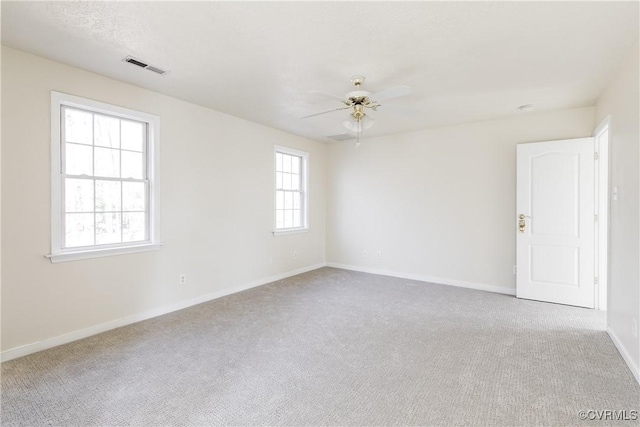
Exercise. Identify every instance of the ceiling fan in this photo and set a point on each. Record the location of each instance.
(358, 101)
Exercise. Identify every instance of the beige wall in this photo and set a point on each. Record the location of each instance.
(440, 203)
(216, 208)
(621, 100)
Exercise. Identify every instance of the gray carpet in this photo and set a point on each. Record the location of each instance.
(332, 347)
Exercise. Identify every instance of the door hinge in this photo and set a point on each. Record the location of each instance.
(595, 218)
(595, 280)
(596, 155)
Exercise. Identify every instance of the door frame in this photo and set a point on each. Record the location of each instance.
(602, 210)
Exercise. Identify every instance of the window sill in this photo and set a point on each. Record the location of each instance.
(99, 253)
(291, 231)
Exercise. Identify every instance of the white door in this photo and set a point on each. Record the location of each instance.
(555, 222)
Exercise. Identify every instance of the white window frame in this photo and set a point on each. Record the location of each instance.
(60, 254)
(304, 200)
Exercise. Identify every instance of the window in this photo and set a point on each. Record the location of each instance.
(103, 179)
(291, 190)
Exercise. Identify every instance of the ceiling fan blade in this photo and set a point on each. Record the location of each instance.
(327, 95)
(397, 109)
(325, 112)
(392, 92)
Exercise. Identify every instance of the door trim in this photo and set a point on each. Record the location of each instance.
(602, 209)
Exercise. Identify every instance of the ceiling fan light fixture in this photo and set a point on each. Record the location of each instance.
(358, 126)
(350, 126)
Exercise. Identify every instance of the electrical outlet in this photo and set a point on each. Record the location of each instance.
(295, 254)
(634, 327)
(365, 254)
(379, 254)
(183, 279)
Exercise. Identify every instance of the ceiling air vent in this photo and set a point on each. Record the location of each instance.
(156, 70)
(141, 64)
(341, 137)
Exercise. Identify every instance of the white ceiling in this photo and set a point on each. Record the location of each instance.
(466, 61)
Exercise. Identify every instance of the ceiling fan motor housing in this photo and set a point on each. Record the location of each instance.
(358, 94)
(358, 112)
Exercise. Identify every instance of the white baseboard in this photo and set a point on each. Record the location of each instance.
(103, 327)
(635, 370)
(438, 280)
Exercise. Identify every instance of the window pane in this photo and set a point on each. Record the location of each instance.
(132, 166)
(278, 180)
(296, 218)
(107, 196)
(133, 196)
(295, 164)
(78, 230)
(296, 200)
(133, 226)
(108, 228)
(278, 162)
(280, 200)
(132, 135)
(78, 126)
(78, 194)
(279, 219)
(286, 163)
(288, 219)
(78, 159)
(106, 131)
(288, 200)
(107, 162)
(286, 181)
(295, 182)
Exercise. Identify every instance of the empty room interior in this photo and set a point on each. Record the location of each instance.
(320, 213)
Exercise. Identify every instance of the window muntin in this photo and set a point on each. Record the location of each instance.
(104, 179)
(290, 189)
